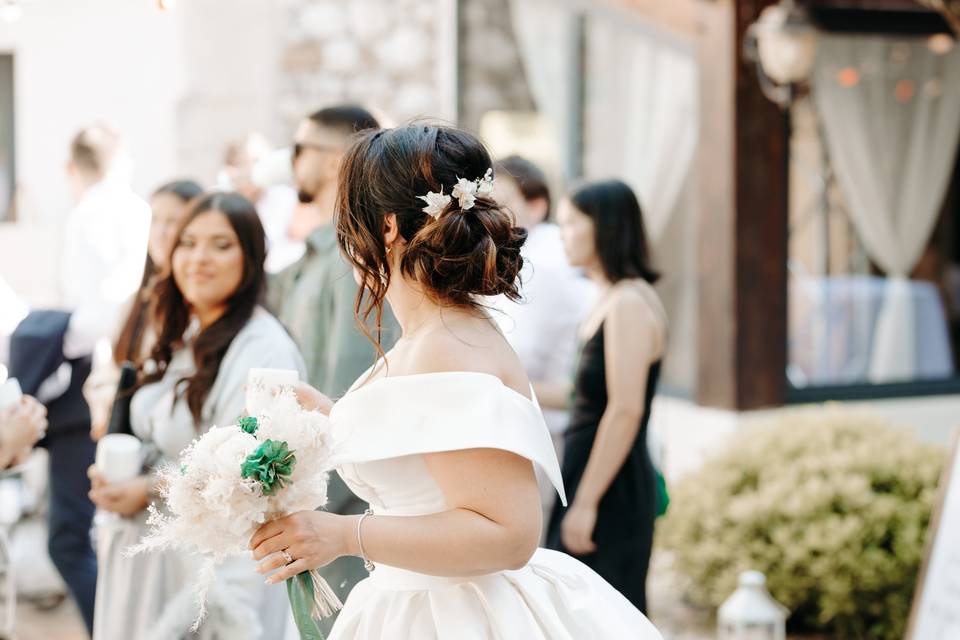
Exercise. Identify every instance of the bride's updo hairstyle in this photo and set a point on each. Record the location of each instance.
(461, 255)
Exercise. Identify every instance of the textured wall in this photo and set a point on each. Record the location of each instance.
(491, 72)
(387, 54)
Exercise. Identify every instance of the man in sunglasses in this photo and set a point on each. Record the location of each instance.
(314, 296)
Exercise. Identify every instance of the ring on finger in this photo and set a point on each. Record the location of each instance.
(287, 558)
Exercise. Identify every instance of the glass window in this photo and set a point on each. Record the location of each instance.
(865, 205)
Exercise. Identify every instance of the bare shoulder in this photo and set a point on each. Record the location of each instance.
(636, 296)
(635, 303)
(445, 350)
(477, 348)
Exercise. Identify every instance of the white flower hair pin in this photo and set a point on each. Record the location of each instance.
(436, 203)
(465, 191)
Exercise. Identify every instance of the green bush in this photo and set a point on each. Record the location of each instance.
(831, 505)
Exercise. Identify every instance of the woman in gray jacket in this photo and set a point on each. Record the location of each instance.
(210, 332)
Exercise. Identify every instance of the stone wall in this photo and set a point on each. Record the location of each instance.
(491, 73)
(385, 54)
(257, 66)
(402, 57)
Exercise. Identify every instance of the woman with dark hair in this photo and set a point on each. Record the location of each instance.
(440, 436)
(607, 471)
(210, 331)
(168, 206)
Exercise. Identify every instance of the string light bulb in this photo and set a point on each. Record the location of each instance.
(940, 43)
(166, 5)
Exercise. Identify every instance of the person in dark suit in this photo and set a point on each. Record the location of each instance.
(36, 355)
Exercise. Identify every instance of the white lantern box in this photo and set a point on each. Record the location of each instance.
(751, 613)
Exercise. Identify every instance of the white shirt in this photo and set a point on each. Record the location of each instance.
(542, 328)
(276, 207)
(104, 250)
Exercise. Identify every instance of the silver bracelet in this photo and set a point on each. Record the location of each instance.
(369, 566)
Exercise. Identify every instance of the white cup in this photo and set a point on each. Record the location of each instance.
(262, 385)
(119, 457)
(11, 500)
(10, 393)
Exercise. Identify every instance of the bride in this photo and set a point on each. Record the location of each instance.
(441, 435)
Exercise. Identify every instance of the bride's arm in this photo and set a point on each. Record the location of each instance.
(493, 524)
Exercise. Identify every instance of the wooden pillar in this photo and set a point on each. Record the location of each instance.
(742, 220)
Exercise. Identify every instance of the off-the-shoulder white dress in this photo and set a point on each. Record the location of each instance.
(381, 430)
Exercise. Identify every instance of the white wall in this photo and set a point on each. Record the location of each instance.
(77, 61)
(683, 434)
(233, 50)
(179, 85)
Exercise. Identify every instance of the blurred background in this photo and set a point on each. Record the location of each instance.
(797, 170)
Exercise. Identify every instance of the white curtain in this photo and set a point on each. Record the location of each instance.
(890, 109)
(641, 98)
(545, 32)
(659, 93)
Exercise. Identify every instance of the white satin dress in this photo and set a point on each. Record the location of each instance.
(381, 431)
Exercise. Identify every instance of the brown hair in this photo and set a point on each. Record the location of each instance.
(457, 257)
(171, 313)
(129, 343)
(531, 181)
(93, 147)
(346, 119)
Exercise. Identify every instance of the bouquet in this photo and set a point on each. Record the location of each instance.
(233, 479)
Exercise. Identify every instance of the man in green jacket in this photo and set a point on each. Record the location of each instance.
(314, 297)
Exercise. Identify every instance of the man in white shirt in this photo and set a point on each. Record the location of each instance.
(104, 241)
(103, 257)
(542, 328)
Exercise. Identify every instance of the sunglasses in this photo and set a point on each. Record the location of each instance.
(298, 147)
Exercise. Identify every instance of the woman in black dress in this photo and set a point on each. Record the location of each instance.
(609, 478)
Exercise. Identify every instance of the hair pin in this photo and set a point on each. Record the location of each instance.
(465, 191)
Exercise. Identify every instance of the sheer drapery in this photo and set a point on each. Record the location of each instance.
(640, 114)
(890, 109)
(640, 103)
(545, 32)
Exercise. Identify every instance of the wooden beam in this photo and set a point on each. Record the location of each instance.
(762, 140)
(742, 220)
(716, 240)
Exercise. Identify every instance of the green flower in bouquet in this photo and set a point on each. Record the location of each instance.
(249, 424)
(271, 465)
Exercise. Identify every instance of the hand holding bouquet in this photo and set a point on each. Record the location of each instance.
(232, 479)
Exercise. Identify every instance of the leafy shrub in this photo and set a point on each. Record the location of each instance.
(831, 505)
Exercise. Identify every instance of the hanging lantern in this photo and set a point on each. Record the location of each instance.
(783, 44)
(751, 613)
(786, 42)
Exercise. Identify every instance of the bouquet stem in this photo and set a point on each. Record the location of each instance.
(311, 599)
